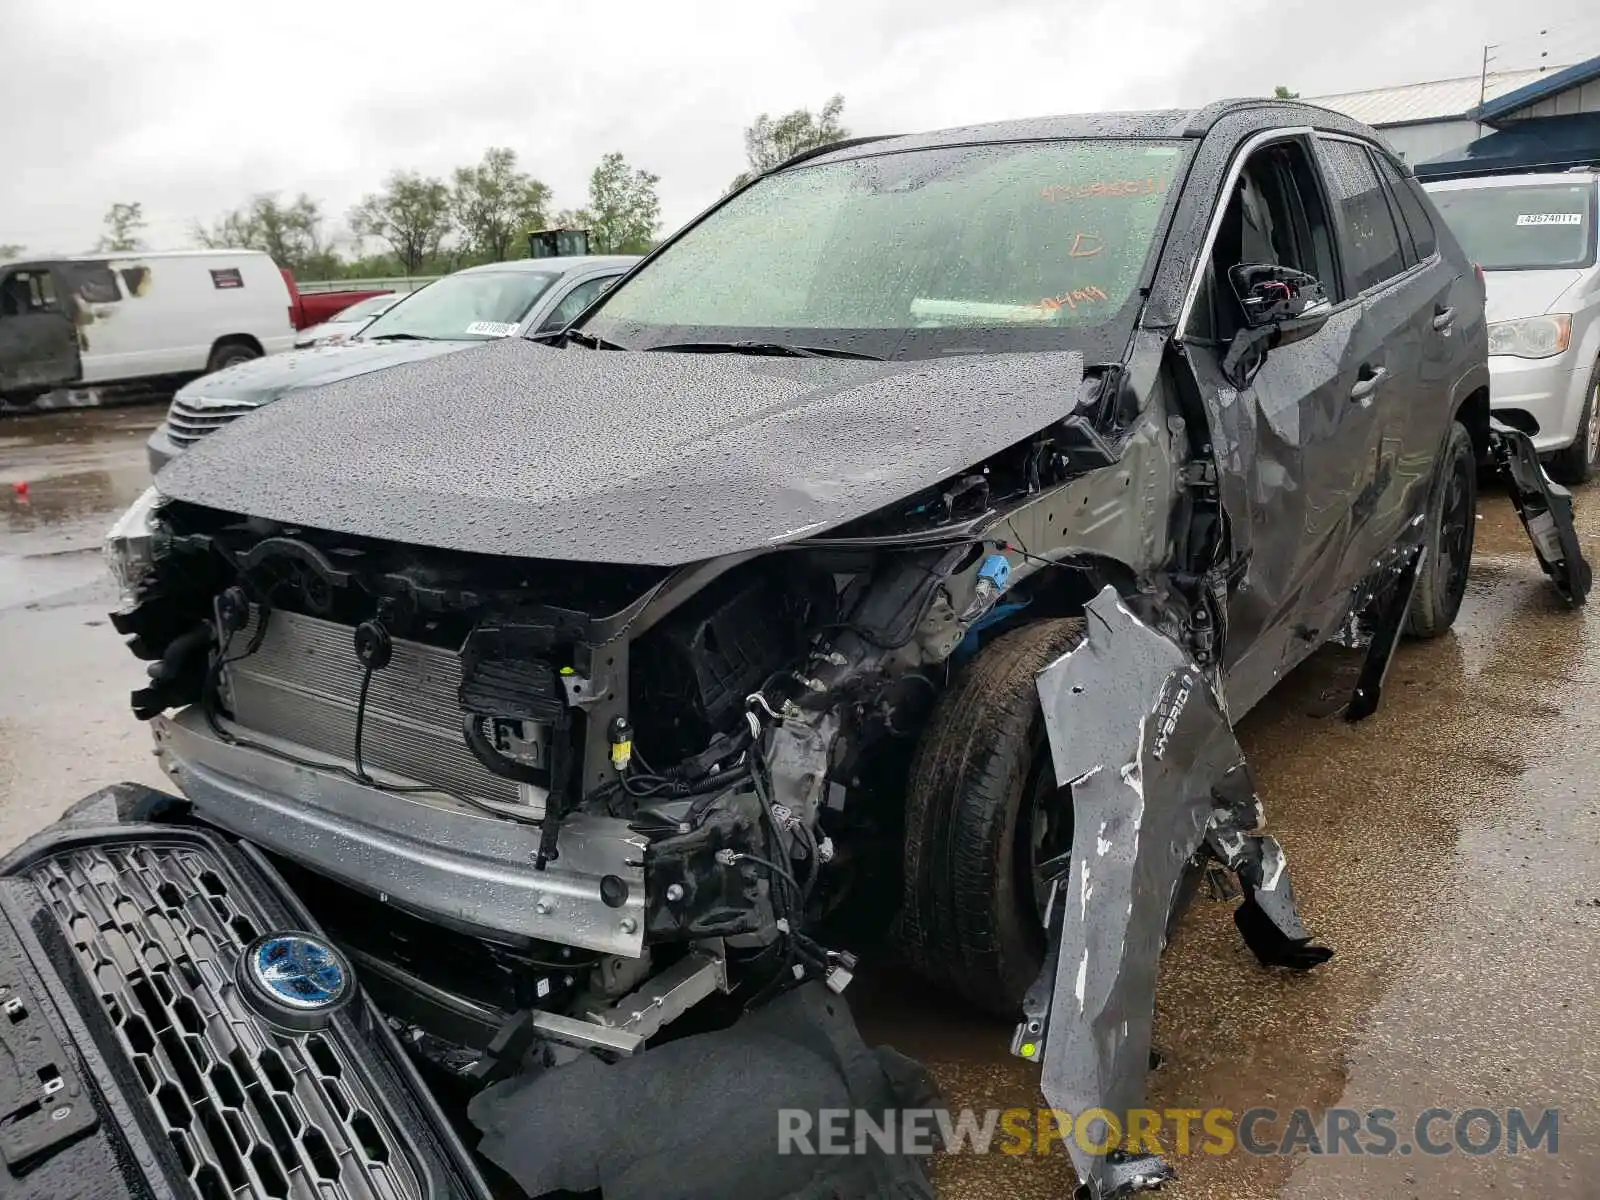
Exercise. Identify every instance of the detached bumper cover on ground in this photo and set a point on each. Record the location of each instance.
(1138, 734)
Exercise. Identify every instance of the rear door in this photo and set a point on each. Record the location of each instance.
(1404, 343)
(38, 338)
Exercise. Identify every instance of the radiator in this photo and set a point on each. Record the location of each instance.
(302, 684)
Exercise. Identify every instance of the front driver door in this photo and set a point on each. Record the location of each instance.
(38, 340)
(1291, 441)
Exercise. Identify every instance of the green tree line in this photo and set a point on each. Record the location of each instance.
(429, 225)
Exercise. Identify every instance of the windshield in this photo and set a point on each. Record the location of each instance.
(1522, 227)
(957, 249)
(469, 306)
(364, 310)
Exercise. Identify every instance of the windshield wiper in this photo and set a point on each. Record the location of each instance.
(400, 337)
(575, 335)
(784, 349)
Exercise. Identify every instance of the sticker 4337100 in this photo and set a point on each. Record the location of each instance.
(1549, 218)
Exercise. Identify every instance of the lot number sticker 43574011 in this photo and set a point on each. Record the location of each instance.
(1549, 218)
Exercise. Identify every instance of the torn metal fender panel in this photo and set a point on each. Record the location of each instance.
(1546, 511)
(1141, 737)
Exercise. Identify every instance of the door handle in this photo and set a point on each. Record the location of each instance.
(1362, 392)
(1443, 318)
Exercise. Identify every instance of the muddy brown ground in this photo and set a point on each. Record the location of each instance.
(1448, 848)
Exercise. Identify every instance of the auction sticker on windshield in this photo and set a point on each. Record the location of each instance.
(1549, 218)
(492, 328)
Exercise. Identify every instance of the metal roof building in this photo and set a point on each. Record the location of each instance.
(1551, 124)
(1421, 120)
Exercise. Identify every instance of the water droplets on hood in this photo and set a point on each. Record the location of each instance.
(645, 458)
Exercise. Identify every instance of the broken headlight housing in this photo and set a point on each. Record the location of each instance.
(1531, 337)
(134, 543)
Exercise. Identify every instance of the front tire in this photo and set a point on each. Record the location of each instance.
(982, 810)
(1579, 461)
(1452, 525)
(229, 354)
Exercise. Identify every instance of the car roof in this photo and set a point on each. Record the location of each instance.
(1511, 180)
(124, 255)
(560, 265)
(1165, 124)
(47, 260)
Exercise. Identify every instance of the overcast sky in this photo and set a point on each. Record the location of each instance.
(189, 107)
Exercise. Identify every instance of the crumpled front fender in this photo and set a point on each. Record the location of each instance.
(1157, 777)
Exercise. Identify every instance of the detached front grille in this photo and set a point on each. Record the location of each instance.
(248, 1111)
(190, 420)
(302, 684)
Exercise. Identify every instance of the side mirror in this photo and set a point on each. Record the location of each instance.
(1271, 295)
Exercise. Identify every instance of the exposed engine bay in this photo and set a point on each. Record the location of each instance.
(635, 762)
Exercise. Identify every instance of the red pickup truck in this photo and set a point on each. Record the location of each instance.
(313, 308)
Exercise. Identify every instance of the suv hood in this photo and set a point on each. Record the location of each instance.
(1514, 294)
(611, 456)
(264, 379)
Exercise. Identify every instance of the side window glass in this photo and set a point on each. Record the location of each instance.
(1371, 241)
(1408, 248)
(1413, 212)
(94, 283)
(27, 291)
(575, 301)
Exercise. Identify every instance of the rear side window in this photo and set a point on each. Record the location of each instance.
(575, 301)
(94, 283)
(1366, 224)
(1412, 209)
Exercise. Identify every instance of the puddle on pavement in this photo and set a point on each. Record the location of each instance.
(78, 469)
(32, 435)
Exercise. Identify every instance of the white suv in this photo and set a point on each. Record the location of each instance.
(1534, 237)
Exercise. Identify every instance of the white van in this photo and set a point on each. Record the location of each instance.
(104, 318)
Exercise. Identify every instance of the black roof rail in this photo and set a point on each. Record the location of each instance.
(1201, 120)
(842, 144)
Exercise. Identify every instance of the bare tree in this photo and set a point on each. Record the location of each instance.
(411, 214)
(494, 202)
(290, 233)
(772, 140)
(123, 223)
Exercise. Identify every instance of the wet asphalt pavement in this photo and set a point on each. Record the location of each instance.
(1448, 848)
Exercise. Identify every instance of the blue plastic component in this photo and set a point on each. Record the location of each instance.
(997, 570)
(970, 644)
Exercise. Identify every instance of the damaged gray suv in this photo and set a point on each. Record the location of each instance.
(929, 510)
